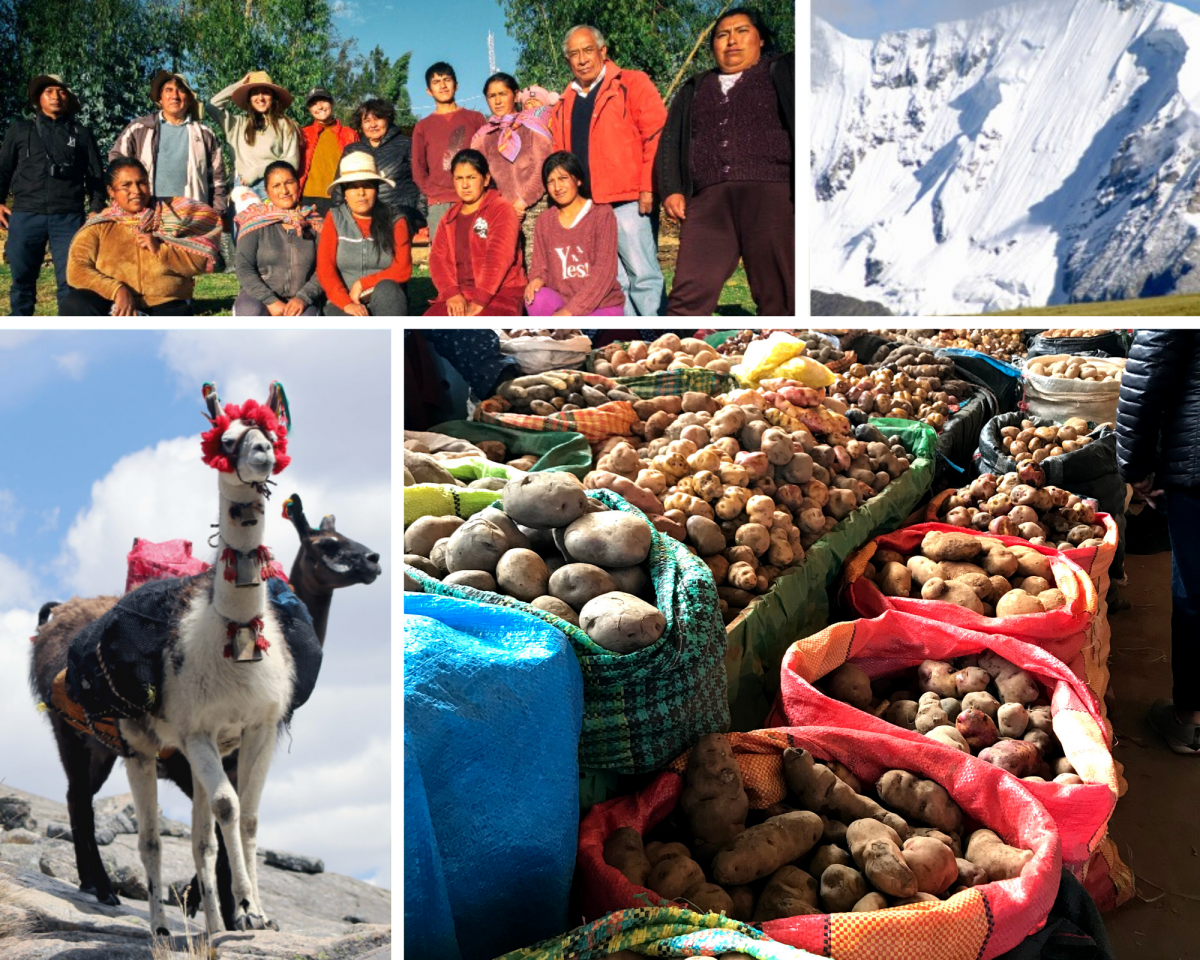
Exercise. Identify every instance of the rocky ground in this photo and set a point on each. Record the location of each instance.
(43, 914)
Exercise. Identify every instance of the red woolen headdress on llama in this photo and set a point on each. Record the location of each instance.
(273, 418)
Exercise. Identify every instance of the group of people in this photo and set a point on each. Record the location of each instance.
(322, 218)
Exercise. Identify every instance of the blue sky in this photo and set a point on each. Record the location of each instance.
(454, 31)
(104, 433)
(869, 18)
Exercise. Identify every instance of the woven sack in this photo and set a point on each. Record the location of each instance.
(160, 561)
(977, 924)
(641, 709)
(897, 642)
(1062, 632)
(1058, 398)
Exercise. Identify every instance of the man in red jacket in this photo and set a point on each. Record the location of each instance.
(324, 140)
(611, 120)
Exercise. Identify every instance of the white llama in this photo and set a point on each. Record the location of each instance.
(228, 675)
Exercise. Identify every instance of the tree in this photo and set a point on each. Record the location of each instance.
(653, 36)
(358, 77)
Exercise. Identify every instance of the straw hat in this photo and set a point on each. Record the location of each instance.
(41, 82)
(358, 167)
(258, 78)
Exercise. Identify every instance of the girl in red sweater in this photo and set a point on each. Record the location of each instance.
(476, 261)
(574, 268)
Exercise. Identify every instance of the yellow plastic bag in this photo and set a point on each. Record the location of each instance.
(806, 370)
(763, 356)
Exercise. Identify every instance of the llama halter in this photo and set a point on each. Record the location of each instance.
(252, 415)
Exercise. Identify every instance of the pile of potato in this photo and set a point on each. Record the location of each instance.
(668, 352)
(421, 466)
(912, 384)
(1075, 368)
(979, 704)
(543, 394)
(1059, 334)
(1019, 504)
(534, 550)
(977, 573)
(830, 848)
(1032, 443)
(1002, 344)
(748, 489)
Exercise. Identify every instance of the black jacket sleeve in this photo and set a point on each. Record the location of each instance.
(669, 173)
(8, 159)
(1157, 361)
(94, 173)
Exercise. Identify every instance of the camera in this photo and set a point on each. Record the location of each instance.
(62, 171)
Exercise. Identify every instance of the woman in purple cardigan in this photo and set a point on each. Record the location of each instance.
(573, 272)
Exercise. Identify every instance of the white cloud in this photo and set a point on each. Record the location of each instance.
(15, 339)
(73, 364)
(18, 587)
(49, 520)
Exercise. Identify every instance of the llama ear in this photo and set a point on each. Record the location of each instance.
(209, 392)
(278, 403)
(293, 510)
(328, 523)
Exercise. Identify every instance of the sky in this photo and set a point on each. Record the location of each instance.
(424, 28)
(870, 18)
(105, 430)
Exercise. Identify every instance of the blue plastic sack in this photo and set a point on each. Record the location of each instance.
(493, 707)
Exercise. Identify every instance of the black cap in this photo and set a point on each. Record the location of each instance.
(317, 93)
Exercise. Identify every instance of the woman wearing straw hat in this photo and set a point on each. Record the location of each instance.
(364, 259)
(265, 134)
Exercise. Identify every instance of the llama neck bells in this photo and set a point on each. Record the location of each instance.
(247, 445)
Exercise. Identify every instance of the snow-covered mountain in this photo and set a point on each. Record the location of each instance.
(1047, 151)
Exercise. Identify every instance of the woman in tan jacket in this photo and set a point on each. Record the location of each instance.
(138, 256)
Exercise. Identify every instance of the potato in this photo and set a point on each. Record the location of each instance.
(1030, 563)
(713, 800)
(983, 701)
(709, 898)
(971, 680)
(998, 860)
(895, 580)
(657, 851)
(609, 539)
(1017, 757)
(621, 622)
(1052, 599)
(761, 850)
(424, 532)
(437, 556)
(952, 591)
(424, 564)
(849, 684)
(522, 574)
(476, 545)
(1018, 603)
(705, 535)
(841, 888)
(932, 863)
(918, 799)
(923, 569)
(937, 676)
(977, 728)
(498, 518)
(876, 849)
(578, 583)
(790, 892)
(672, 877)
(545, 500)
(557, 607)
(633, 580)
(950, 737)
(870, 903)
(826, 856)
(479, 579)
(623, 850)
(939, 545)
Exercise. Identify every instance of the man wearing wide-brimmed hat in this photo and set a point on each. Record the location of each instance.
(324, 140)
(52, 167)
(264, 134)
(181, 154)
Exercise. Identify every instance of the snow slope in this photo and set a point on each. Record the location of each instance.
(1046, 152)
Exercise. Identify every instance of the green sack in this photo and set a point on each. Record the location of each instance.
(643, 709)
(797, 604)
(566, 452)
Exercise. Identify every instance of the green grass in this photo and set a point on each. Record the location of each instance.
(215, 293)
(1186, 305)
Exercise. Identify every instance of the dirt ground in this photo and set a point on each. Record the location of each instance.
(1156, 825)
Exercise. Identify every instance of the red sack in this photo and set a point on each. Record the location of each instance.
(894, 642)
(1062, 632)
(976, 924)
(171, 558)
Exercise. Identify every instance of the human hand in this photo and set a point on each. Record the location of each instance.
(520, 206)
(4, 212)
(1146, 489)
(645, 203)
(531, 289)
(147, 242)
(356, 292)
(357, 310)
(456, 306)
(563, 312)
(474, 310)
(294, 307)
(123, 305)
(276, 308)
(676, 206)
